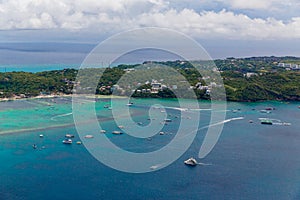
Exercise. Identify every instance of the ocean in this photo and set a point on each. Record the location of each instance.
(250, 160)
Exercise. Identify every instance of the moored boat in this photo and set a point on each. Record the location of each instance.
(69, 136)
(67, 141)
(117, 132)
(265, 111)
(167, 120)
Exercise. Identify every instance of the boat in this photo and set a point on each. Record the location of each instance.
(41, 135)
(265, 111)
(69, 136)
(161, 133)
(67, 141)
(78, 142)
(191, 161)
(34, 146)
(167, 120)
(129, 104)
(117, 132)
(266, 121)
(89, 136)
(102, 131)
(250, 121)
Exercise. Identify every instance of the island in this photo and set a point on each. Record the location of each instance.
(245, 79)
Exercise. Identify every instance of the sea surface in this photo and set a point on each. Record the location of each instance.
(250, 160)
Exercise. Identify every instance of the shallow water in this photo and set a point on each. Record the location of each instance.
(250, 161)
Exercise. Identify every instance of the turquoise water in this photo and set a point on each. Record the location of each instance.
(250, 161)
(36, 67)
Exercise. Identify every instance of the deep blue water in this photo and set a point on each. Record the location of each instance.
(250, 161)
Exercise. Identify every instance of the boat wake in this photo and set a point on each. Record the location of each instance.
(222, 122)
(58, 116)
(196, 109)
(204, 164)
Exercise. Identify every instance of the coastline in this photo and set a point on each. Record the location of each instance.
(61, 95)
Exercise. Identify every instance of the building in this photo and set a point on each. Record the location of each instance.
(155, 86)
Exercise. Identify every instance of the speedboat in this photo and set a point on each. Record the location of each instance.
(41, 135)
(191, 161)
(67, 141)
(266, 121)
(102, 131)
(89, 136)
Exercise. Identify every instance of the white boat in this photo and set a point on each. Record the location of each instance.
(191, 161)
(69, 136)
(89, 136)
(265, 111)
(67, 141)
(41, 135)
(167, 120)
(103, 131)
(117, 132)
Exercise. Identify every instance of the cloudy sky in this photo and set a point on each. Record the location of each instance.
(224, 27)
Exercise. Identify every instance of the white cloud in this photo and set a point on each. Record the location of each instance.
(118, 15)
(252, 4)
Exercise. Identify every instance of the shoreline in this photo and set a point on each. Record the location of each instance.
(61, 95)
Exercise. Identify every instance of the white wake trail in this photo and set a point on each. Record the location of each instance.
(58, 116)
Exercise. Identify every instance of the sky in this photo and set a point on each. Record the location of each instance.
(238, 28)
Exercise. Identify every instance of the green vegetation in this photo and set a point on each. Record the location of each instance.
(248, 79)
